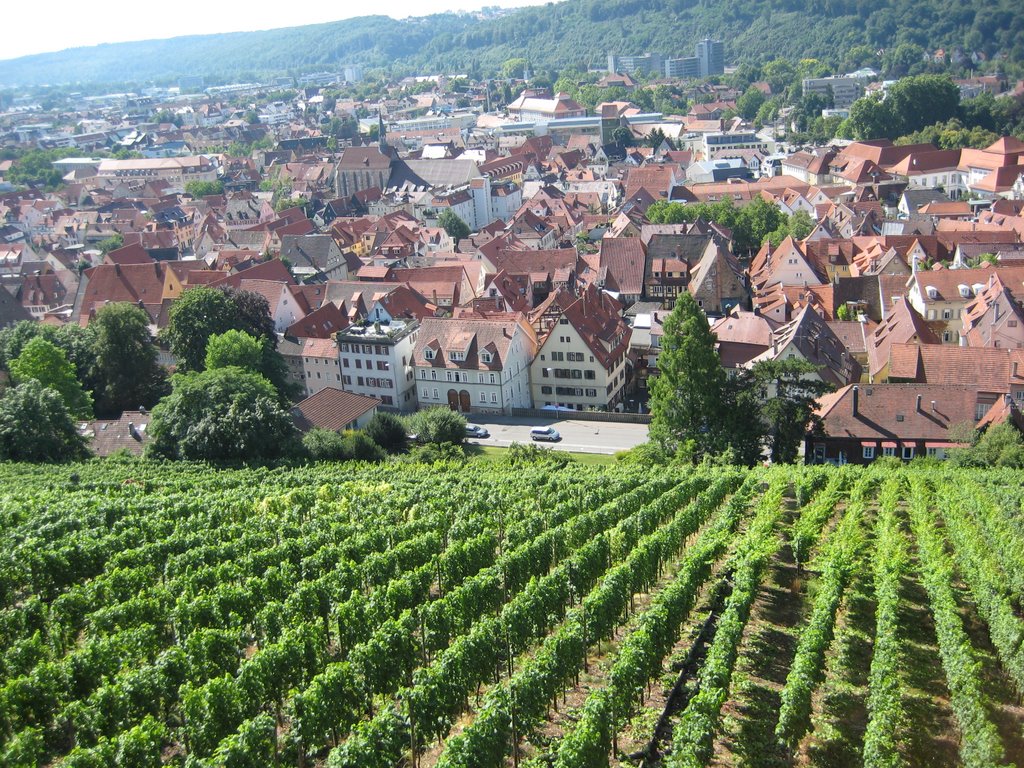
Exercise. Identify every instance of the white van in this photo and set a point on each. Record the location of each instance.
(550, 434)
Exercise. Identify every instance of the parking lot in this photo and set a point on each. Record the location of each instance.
(577, 435)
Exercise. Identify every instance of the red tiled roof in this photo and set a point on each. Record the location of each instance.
(332, 409)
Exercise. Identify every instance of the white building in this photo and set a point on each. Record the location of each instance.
(376, 360)
(474, 366)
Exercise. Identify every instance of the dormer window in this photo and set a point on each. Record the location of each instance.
(486, 357)
(428, 354)
(456, 356)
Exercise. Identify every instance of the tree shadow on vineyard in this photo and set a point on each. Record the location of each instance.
(838, 741)
(931, 737)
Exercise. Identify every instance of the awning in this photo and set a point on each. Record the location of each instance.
(945, 444)
(888, 445)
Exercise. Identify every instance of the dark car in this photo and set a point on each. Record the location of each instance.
(475, 430)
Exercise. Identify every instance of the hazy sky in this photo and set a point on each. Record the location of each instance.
(59, 24)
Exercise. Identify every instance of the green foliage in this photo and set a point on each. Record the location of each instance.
(45, 362)
(351, 445)
(35, 168)
(1000, 446)
(125, 360)
(688, 397)
(437, 425)
(749, 104)
(234, 348)
(450, 222)
(111, 243)
(226, 414)
(35, 425)
(910, 105)
(204, 312)
(198, 189)
(388, 431)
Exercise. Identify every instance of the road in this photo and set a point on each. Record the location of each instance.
(577, 435)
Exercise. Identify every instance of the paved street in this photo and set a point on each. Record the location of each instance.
(577, 435)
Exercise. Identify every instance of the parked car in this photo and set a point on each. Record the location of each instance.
(549, 434)
(475, 430)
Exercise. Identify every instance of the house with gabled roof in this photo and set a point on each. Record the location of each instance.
(903, 325)
(860, 423)
(474, 365)
(995, 317)
(808, 337)
(582, 360)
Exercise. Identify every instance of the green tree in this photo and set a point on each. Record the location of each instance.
(126, 365)
(35, 425)
(197, 189)
(196, 316)
(254, 354)
(227, 414)
(624, 136)
(438, 425)
(46, 363)
(787, 392)
(450, 222)
(387, 431)
(750, 102)
(688, 397)
(656, 138)
(1000, 446)
(869, 119)
(14, 338)
(112, 243)
(236, 348)
(915, 102)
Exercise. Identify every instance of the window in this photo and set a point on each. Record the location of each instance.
(947, 337)
(485, 357)
(456, 356)
(345, 362)
(377, 350)
(591, 393)
(359, 381)
(428, 354)
(494, 397)
(947, 314)
(908, 452)
(869, 452)
(899, 417)
(344, 347)
(563, 321)
(347, 379)
(483, 397)
(577, 374)
(423, 374)
(359, 363)
(889, 451)
(557, 357)
(933, 453)
(545, 390)
(589, 375)
(387, 399)
(435, 394)
(492, 378)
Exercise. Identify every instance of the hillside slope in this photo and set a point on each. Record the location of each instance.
(569, 33)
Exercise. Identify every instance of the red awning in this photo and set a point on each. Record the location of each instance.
(888, 445)
(945, 444)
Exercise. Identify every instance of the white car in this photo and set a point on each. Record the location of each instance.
(547, 434)
(475, 430)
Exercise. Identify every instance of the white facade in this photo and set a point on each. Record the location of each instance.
(376, 360)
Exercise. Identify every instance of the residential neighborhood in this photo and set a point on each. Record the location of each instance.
(504, 261)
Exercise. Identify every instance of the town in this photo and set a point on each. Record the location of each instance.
(512, 247)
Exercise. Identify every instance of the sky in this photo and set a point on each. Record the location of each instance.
(29, 28)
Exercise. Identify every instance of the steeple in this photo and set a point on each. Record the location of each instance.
(382, 132)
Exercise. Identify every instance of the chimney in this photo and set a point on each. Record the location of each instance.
(918, 408)
(856, 398)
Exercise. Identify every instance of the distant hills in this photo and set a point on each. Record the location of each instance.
(555, 36)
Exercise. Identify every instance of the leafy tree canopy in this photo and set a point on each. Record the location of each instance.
(226, 414)
(36, 426)
(450, 222)
(45, 362)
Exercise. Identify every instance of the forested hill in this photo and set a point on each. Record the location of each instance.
(560, 35)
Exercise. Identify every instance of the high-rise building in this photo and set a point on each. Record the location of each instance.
(649, 63)
(687, 66)
(711, 57)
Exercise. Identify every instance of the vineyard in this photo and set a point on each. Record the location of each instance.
(510, 615)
